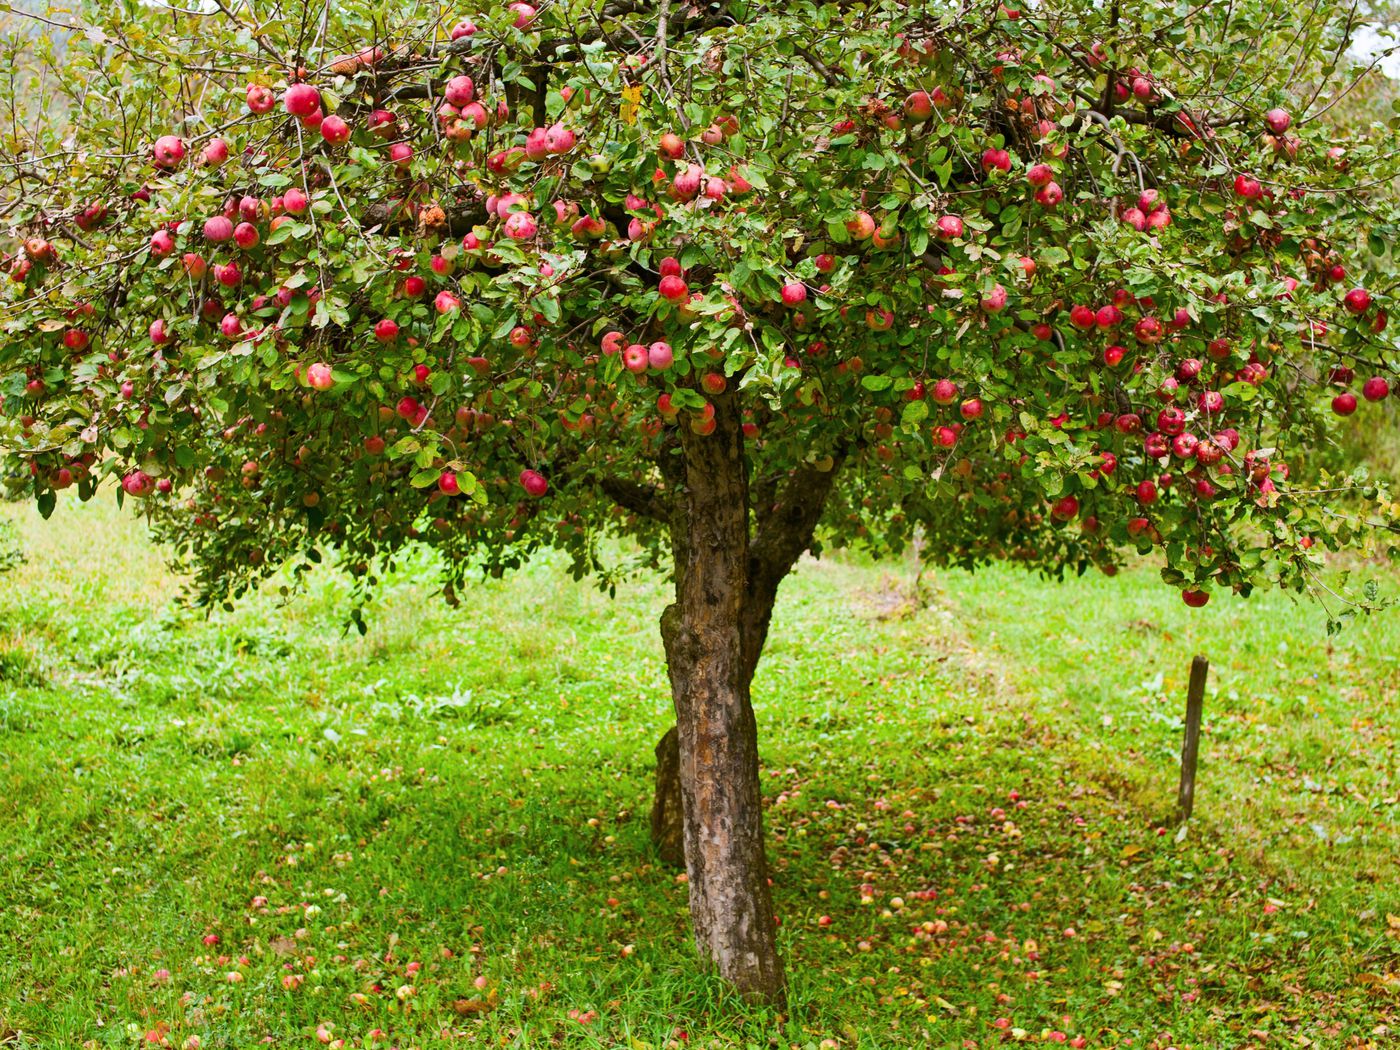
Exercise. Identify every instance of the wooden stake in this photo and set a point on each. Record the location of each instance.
(1190, 746)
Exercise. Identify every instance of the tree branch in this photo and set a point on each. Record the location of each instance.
(646, 500)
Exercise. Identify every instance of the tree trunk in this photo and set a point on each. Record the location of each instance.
(731, 908)
(668, 808)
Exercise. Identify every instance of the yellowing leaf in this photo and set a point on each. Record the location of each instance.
(631, 96)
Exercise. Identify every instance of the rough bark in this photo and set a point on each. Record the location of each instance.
(785, 530)
(731, 907)
(668, 809)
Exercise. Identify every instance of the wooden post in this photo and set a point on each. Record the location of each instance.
(1191, 745)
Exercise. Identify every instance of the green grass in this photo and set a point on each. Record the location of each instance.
(973, 788)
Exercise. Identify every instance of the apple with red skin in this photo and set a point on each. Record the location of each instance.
(671, 146)
(949, 227)
(1195, 599)
(295, 201)
(1357, 301)
(215, 153)
(386, 330)
(994, 302)
(918, 105)
(995, 160)
(825, 263)
(446, 302)
(1083, 317)
(218, 229)
(448, 484)
(1066, 508)
(1146, 493)
(319, 377)
(660, 355)
(374, 445)
(673, 288)
(945, 392)
(1248, 188)
(302, 100)
(534, 483)
(635, 358)
(1278, 120)
(245, 235)
(401, 153)
(861, 226)
(971, 408)
(793, 293)
(162, 244)
(168, 151)
(335, 130)
(1344, 404)
(1375, 389)
(138, 484)
(1040, 175)
(713, 383)
(459, 91)
(260, 99)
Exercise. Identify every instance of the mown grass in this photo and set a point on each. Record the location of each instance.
(438, 832)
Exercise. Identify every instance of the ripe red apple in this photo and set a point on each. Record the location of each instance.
(446, 302)
(520, 226)
(945, 392)
(374, 445)
(245, 235)
(825, 263)
(401, 153)
(302, 100)
(294, 201)
(635, 358)
(1357, 301)
(1195, 599)
(918, 106)
(162, 244)
(995, 160)
(1040, 175)
(1375, 389)
(195, 266)
(1083, 317)
(1344, 404)
(138, 484)
(1248, 188)
(794, 292)
(950, 227)
(1049, 195)
(1113, 356)
(713, 383)
(459, 91)
(335, 130)
(995, 300)
(671, 146)
(673, 288)
(319, 377)
(215, 152)
(660, 355)
(971, 408)
(448, 485)
(534, 483)
(386, 330)
(168, 151)
(1278, 120)
(861, 226)
(260, 99)
(159, 332)
(1146, 493)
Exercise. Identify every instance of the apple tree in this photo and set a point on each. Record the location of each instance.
(732, 280)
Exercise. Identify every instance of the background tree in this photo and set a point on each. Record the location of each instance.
(731, 280)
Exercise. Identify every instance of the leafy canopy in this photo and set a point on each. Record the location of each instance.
(1045, 284)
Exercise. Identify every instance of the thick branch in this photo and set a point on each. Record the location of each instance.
(646, 500)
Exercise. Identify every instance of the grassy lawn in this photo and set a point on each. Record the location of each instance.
(257, 828)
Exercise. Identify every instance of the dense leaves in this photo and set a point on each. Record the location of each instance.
(1046, 284)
